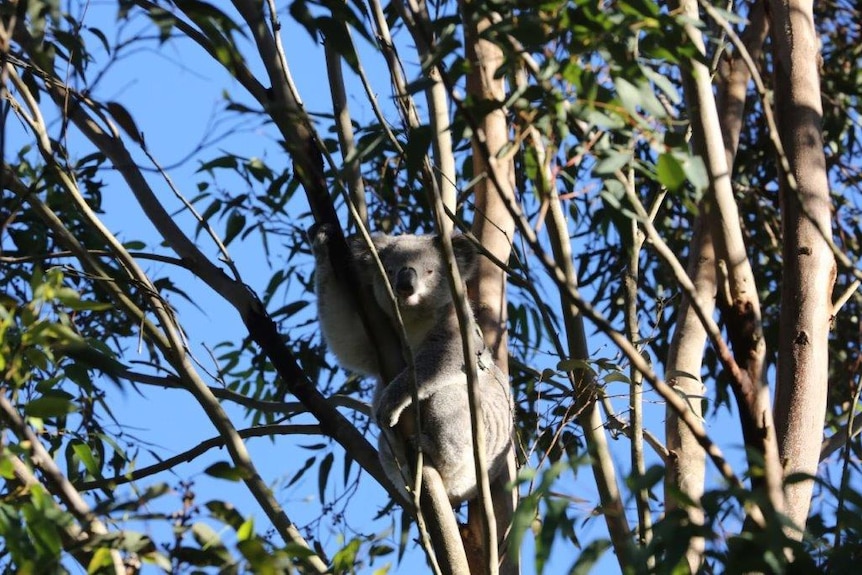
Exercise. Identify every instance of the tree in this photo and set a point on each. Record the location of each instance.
(588, 150)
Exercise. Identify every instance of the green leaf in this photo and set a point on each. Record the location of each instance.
(323, 475)
(85, 455)
(101, 559)
(617, 376)
(246, 530)
(589, 556)
(205, 535)
(345, 559)
(629, 95)
(670, 172)
(235, 225)
(224, 470)
(49, 406)
(227, 162)
(613, 161)
(663, 83)
(226, 512)
(125, 120)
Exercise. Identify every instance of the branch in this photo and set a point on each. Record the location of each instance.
(196, 451)
(740, 309)
(589, 417)
(344, 127)
(631, 280)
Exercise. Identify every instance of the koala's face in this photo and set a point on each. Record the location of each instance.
(416, 270)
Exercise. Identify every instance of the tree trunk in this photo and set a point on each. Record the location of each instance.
(737, 299)
(686, 469)
(495, 229)
(809, 266)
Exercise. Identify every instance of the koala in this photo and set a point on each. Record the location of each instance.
(415, 269)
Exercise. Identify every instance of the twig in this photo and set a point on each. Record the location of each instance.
(284, 407)
(196, 451)
(630, 289)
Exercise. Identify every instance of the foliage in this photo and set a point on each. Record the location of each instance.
(95, 309)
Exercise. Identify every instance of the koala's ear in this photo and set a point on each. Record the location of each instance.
(466, 256)
(358, 250)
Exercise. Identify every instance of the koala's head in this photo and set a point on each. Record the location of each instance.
(416, 269)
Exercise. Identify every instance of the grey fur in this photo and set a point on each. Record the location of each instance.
(415, 269)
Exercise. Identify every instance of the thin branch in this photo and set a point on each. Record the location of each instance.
(202, 222)
(263, 406)
(617, 424)
(589, 416)
(13, 257)
(409, 115)
(477, 425)
(418, 22)
(190, 454)
(344, 128)
(630, 291)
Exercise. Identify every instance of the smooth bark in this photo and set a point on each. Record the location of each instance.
(494, 227)
(809, 266)
(736, 288)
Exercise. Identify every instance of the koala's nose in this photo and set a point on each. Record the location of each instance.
(405, 281)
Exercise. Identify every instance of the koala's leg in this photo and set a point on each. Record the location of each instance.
(447, 441)
(439, 364)
(340, 322)
(498, 417)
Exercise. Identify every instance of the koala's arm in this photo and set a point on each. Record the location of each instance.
(439, 364)
(340, 321)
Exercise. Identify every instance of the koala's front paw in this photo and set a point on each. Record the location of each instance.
(319, 236)
(389, 410)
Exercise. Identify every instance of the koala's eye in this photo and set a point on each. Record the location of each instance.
(429, 272)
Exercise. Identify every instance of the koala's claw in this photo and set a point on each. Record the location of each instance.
(320, 234)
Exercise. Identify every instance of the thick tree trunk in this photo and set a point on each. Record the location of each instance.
(686, 470)
(809, 266)
(737, 292)
(495, 229)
